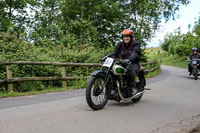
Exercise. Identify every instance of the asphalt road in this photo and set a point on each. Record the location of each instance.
(172, 106)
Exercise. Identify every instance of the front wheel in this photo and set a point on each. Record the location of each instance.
(195, 71)
(96, 94)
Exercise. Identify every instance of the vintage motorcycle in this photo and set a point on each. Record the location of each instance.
(195, 64)
(112, 78)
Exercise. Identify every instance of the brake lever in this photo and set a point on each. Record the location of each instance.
(103, 59)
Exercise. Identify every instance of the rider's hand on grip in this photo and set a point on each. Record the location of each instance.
(103, 59)
(125, 61)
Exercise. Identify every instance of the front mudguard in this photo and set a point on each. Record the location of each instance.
(98, 72)
(101, 73)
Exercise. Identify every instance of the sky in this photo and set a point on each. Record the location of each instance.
(187, 15)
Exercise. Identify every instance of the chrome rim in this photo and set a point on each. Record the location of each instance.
(98, 93)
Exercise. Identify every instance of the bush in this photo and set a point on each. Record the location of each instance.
(14, 49)
(183, 50)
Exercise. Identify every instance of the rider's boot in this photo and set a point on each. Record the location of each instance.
(190, 73)
(113, 92)
(134, 91)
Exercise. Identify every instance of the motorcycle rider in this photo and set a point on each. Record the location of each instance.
(193, 55)
(129, 52)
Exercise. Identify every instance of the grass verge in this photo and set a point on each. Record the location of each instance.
(15, 94)
(165, 59)
(155, 73)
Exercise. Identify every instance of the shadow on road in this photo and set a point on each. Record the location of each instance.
(187, 77)
(123, 103)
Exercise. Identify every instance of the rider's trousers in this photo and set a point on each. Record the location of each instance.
(132, 71)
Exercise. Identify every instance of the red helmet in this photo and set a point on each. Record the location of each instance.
(127, 32)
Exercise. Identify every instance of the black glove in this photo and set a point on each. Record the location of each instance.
(125, 61)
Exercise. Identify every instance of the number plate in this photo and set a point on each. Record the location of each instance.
(194, 62)
(108, 62)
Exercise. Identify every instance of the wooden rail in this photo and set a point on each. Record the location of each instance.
(10, 80)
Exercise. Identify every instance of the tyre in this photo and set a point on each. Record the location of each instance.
(96, 95)
(195, 74)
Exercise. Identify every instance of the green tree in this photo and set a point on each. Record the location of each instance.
(182, 44)
(103, 20)
(14, 15)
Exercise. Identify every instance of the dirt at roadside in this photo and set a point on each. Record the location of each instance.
(197, 130)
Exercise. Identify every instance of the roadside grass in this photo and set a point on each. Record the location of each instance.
(155, 73)
(162, 57)
(48, 90)
(174, 61)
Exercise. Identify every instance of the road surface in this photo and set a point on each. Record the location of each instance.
(172, 106)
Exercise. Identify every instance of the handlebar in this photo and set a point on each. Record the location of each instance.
(193, 59)
(120, 60)
(116, 59)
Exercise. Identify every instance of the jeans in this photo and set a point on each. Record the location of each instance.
(132, 71)
(190, 67)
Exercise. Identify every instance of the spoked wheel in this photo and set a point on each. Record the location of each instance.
(96, 94)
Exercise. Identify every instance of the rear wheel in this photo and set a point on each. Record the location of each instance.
(96, 94)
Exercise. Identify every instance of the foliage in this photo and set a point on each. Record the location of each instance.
(182, 44)
(160, 56)
(72, 31)
(97, 21)
(15, 15)
(13, 49)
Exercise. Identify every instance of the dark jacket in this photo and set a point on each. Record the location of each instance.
(131, 52)
(194, 56)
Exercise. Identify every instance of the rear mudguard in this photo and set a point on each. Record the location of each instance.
(99, 72)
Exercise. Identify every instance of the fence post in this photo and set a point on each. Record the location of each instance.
(9, 75)
(156, 64)
(63, 73)
(152, 64)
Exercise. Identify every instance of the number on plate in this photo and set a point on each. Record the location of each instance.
(194, 62)
(108, 62)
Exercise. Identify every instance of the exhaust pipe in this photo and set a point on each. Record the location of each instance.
(126, 99)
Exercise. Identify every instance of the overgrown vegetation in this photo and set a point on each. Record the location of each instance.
(180, 44)
(71, 31)
(176, 47)
(164, 58)
(13, 49)
(77, 22)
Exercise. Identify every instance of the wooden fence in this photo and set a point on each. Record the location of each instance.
(10, 79)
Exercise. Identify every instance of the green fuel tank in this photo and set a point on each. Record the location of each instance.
(119, 70)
